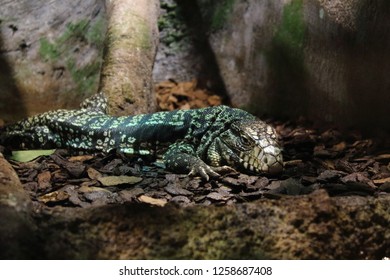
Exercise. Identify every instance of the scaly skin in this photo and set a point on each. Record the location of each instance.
(200, 141)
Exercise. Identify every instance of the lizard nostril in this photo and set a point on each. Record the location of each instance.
(265, 160)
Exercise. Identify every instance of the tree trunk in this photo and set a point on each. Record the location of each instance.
(130, 49)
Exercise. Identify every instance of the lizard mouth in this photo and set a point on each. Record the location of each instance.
(255, 161)
(262, 161)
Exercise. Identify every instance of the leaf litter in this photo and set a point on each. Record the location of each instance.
(315, 158)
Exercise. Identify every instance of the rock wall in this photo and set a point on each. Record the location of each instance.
(17, 237)
(326, 60)
(50, 54)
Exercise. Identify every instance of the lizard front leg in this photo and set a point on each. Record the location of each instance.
(181, 157)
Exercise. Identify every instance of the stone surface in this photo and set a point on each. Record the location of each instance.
(326, 60)
(50, 54)
(184, 52)
(17, 238)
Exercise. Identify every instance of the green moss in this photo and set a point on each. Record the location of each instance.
(172, 26)
(144, 36)
(215, 12)
(63, 49)
(292, 30)
(96, 33)
(221, 13)
(286, 61)
(76, 30)
(48, 51)
(85, 77)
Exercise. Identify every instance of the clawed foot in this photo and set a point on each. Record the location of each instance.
(206, 171)
(224, 169)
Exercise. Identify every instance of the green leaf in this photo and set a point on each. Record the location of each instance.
(29, 155)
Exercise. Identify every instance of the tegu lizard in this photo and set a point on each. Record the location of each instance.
(199, 141)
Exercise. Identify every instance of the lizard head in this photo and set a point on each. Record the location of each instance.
(252, 146)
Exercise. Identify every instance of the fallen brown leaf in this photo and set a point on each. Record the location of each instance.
(152, 201)
(93, 173)
(55, 196)
(381, 181)
(118, 180)
(81, 158)
(44, 180)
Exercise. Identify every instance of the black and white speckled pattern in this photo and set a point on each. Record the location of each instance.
(188, 140)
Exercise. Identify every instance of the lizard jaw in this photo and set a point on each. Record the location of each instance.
(268, 160)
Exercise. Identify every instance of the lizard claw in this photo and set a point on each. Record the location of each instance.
(224, 169)
(204, 171)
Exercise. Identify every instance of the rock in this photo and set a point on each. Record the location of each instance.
(18, 230)
(51, 54)
(311, 58)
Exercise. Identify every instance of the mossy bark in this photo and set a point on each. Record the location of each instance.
(306, 227)
(130, 48)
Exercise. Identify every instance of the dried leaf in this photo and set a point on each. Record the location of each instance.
(294, 162)
(328, 164)
(246, 179)
(385, 187)
(76, 169)
(119, 180)
(98, 197)
(29, 155)
(152, 201)
(214, 100)
(261, 183)
(200, 94)
(383, 157)
(218, 196)
(93, 173)
(175, 190)
(44, 180)
(55, 196)
(181, 200)
(381, 181)
(184, 95)
(355, 177)
(86, 189)
(339, 147)
(186, 106)
(128, 195)
(330, 175)
(81, 158)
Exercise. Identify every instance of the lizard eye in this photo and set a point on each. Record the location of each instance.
(245, 140)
